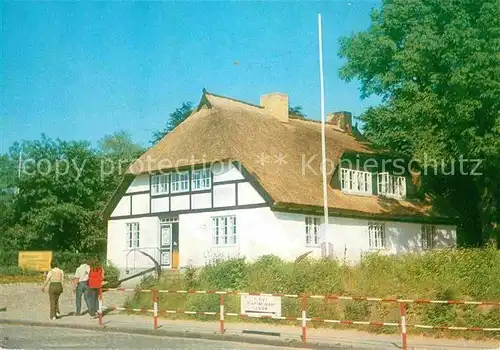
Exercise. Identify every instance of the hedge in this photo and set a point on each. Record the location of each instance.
(67, 261)
(465, 274)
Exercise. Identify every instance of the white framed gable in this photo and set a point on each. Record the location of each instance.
(225, 171)
(139, 184)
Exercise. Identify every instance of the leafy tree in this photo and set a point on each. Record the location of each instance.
(435, 64)
(117, 152)
(119, 145)
(175, 118)
(297, 110)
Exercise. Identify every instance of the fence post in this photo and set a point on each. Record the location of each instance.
(304, 325)
(402, 307)
(99, 312)
(221, 311)
(155, 309)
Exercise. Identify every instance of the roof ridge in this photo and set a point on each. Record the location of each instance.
(231, 99)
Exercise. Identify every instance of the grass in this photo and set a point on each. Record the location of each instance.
(463, 274)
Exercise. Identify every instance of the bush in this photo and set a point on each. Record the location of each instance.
(111, 274)
(463, 274)
(68, 261)
(16, 271)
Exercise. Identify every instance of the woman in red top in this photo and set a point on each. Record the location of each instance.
(96, 277)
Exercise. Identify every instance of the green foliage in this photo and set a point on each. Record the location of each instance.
(175, 118)
(63, 187)
(225, 274)
(111, 273)
(298, 111)
(16, 271)
(435, 64)
(461, 274)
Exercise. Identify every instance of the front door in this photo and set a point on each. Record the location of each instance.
(169, 244)
(166, 245)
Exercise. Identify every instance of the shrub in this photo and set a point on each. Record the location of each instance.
(16, 271)
(465, 274)
(111, 274)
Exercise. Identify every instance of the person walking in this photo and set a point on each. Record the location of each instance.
(55, 279)
(96, 277)
(81, 286)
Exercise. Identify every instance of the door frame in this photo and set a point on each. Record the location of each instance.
(173, 223)
(165, 248)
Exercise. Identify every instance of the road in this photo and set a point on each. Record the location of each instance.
(27, 337)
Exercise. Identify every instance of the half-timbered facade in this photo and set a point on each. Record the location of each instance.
(236, 179)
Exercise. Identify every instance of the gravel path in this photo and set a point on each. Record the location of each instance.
(26, 302)
(18, 299)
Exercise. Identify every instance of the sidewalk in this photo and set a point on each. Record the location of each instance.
(26, 304)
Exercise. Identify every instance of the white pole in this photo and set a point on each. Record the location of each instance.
(323, 136)
(19, 165)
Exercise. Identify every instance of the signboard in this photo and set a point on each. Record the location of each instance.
(35, 260)
(259, 305)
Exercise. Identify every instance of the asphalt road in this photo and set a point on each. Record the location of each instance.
(27, 337)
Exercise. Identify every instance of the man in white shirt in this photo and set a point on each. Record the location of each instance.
(81, 286)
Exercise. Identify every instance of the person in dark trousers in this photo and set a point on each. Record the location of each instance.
(55, 279)
(96, 277)
(81, 286)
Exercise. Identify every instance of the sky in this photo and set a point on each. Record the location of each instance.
(81, 70)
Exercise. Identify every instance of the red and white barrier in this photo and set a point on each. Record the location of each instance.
(303, 319)
(402, 307)
(326, 296)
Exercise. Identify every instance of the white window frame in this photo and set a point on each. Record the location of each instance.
(179, 182)
(160, 184)
(376, 235)
(428, 236)
(312, 224)
(224, 230)
(201, 179)
(356, 181)
(133, 234)
(391, 185)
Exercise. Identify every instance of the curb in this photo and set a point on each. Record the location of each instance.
(181, 334)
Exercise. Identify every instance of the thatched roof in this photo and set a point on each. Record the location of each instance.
(222, 128)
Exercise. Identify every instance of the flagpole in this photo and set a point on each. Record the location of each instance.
(323, 136)
(19, 164)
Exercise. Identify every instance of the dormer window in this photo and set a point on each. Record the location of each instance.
(391, 185)
(356, 181)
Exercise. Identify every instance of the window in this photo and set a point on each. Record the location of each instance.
(180, 182)
(133, 235)
(376, 235)
(201, 179)
(428, 233)
(312, 230)
(391, 186)
(356, 181)
(224, 230)
(159, 184)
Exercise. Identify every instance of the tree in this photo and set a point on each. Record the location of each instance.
(435, 64)
(175, 118)
(119, 145)
(297, 110)
(117, 151)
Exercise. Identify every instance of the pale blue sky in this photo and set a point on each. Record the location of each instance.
(83, 70)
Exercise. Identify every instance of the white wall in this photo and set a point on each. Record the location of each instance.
(260, 230)
(140, 184)
(121, 255)
(225, 172)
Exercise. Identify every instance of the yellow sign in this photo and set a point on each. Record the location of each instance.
(35, 260)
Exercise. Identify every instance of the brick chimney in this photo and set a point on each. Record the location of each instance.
(341, 119)
(276, 103)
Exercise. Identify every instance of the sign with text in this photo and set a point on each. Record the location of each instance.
(35, 260)
(259, 305)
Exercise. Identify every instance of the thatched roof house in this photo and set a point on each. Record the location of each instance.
(281, 152)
